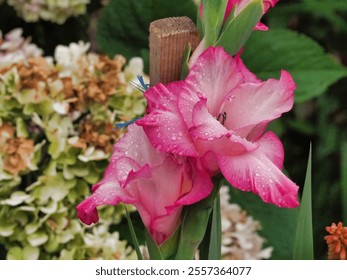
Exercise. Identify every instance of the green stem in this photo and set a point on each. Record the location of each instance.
(194, 224)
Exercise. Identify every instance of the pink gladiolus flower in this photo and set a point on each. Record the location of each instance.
(157, 184)
(239, 5)
(219, 114)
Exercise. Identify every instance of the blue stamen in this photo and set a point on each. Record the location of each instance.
(142, 82)
(125, 124)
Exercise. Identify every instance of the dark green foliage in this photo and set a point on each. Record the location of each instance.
(46, 35)
(322, 120)
(312, 69)
(124, 24)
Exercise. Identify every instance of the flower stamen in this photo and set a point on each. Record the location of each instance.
(222, 117)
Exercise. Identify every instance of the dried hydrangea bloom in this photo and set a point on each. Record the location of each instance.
(36, 73)
(96, 139)
(47, 106)
(87, 78)
(15, 48)
(337, 241)
(240, 240)
(55, 11)
(17, 153)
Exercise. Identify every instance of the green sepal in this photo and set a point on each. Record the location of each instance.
(169, 247)
(214, 252)
(238, 29)
(213, 17)
(153, 248)
(194, 224)
(200, 25)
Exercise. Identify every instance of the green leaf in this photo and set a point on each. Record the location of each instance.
(330, 11)
(278, 224)
(153, 248)
(266, 53)
(133, 235)
(215, 252)
(213, 17)
(193, 227)
(185, 62)
(123, 25)
(344, 179)
(303, 246)
(237, 31)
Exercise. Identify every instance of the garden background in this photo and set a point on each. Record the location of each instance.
(37, 217)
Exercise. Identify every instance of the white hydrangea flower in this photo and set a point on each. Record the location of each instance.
(240, 239)
(106, 245)
(68, 57)
(14, 48)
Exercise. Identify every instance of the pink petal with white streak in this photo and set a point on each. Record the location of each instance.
(259, 172)
(164, 125)
(135, 145)
(214, 75)
(251, 105)
(211, 135)
(106, 193)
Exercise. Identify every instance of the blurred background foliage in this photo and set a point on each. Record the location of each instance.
(306, 37)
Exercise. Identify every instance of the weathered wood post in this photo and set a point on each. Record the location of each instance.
(167, 42)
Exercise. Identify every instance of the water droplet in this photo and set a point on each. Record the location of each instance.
(231, 97)
(180, 134)
(257, 174)
(173, 138)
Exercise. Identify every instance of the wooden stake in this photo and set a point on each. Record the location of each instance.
(167, 42)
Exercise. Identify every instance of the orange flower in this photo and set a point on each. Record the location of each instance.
(337, 242)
